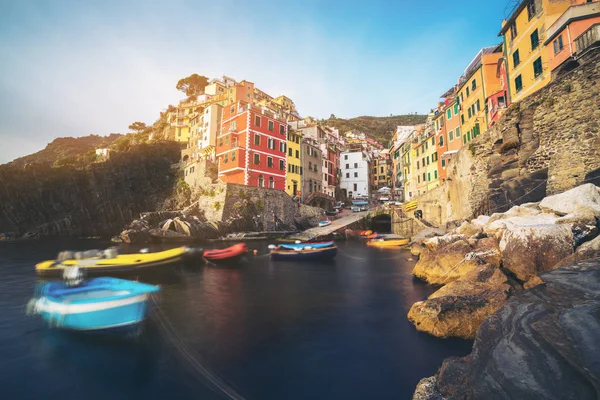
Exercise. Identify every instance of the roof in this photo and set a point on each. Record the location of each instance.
(513, 16)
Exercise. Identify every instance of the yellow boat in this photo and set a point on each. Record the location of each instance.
(388, 243)
(95, 262)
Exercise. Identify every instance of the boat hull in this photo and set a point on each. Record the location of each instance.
(304, 255)
(228, 256)
(122, 264)
(388, 243)
(315, 245)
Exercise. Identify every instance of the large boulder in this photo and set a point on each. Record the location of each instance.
(530, 250)
(541, 345)
(584, 198)
(586, 251)
(516, 211)
(416, 249)
(447, 264)
(469, 229)
(437, 242)
(458, 308)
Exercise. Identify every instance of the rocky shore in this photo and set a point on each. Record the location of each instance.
(532, 327)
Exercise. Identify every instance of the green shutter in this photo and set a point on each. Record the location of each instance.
(435, 174)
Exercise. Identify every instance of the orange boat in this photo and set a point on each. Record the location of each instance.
(230, 255)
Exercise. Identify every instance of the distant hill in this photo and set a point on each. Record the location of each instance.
(66, 148)
(378, 128)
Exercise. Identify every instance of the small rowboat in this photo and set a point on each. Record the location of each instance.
(366, 233)
(97, 262)
(316, 245)
(388, 243)
(324, 223)
(374, 236)
(230, 255)
(305, 254)
(98, 304)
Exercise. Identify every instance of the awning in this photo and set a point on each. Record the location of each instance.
(449, 153)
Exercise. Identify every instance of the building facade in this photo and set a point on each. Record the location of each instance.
(252, 147)
(294, 164)
(355, 167)
(312, 171)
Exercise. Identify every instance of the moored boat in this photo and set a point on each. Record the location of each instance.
(324, 223)
(388, 242)
(302, 245)
(304, 254)
(229, 255)
(98, 262)
(98, 304)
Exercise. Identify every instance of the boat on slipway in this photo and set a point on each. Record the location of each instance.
(109, 261)
(98, 304)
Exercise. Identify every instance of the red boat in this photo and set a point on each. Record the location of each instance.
(230, 255)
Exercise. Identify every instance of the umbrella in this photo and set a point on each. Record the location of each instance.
(384, 189)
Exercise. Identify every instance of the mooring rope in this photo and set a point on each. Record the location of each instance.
(217, 384)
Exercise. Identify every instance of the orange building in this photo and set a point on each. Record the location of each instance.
(448, 138)
(498, 102)
(251, 147)
(561, 43)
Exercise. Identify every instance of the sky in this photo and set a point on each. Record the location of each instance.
(74, 68)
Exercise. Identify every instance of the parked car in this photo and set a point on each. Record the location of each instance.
(355, 208)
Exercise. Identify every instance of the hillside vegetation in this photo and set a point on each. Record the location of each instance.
(378, 128)
(66, 148)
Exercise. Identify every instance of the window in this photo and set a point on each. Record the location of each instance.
(449, 113)
(355, 187)
(290, 152)
(474, 85)
(558, 45)
(513, 31)
(257, 120)
(478, 105)
(419, 179)
(476, 130)
(434, 157)
(270, 162)
(428, 176)
(226, 158)
(271, 126)
(427, 160)
(272, 183)
(435, 174)
(433, 141)
(356, 174)
(468, 91)
(345, 158)
(535, 40)
(309, 165)
(347, 174)
(282, 129)
(443, 163)
(257, 159)
(233, 156)
(347, 166)
(417, 152)
(298, 154)
(282, 165)
(271, 143)
(469, 112)
(462, 118)
(227, 139)
(381, 169)
(261, 181)
(516, 59)
(537, 67)
(221, 141)
(418, 165)
(531, 9)
(468, 136)
(232, 110)
(518, 83)
(423, 176)
(457, 132)
(450, 136)
(256, 139)
(456, 108)
(355, 165)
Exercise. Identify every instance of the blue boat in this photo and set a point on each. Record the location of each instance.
(326, 253)
(324, 223)
(97, 304)
(304, 245)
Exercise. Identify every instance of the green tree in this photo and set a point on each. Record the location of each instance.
(138, 127)
(193, 85)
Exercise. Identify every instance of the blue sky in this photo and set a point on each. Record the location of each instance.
(72, 68)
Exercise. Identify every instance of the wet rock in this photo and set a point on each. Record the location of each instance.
(481, 221)
(135, 236)
(584, 198)
(541, 345)
(459, 308)
(447, 264)
(438, 242)
(533, 282)
(530, 250)
(416, 249)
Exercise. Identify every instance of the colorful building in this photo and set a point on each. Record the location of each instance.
(294, 163)
(441, 138)
(562, 45)
(312, 170)
(354, 182)
(475, 86)
(409, 162)
(524, 33)
(498, 102)
(381, 172)
(252, 147)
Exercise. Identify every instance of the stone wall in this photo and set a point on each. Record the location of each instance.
(546, 144)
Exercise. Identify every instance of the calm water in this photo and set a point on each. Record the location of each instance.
(267, 330)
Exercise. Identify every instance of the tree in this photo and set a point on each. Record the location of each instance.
(193, 85)
(332, 116)
(138, 126)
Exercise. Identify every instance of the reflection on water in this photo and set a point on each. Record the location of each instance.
(269, 330)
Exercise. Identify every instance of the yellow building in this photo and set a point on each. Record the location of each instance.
(476, 85)
(181, 120)
(293, 176)
(524, 35)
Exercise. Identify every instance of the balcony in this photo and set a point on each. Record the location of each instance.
(178, 124)
(572, 13)
(587, 39)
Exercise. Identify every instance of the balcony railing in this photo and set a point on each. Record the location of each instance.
(588, 39)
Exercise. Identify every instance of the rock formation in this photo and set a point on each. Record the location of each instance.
(541, 345)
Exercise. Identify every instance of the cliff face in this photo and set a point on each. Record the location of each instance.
(546, 144)
(98, 200)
